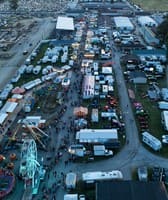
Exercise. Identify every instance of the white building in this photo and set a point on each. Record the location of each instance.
(164, 118)
(164, 94)
(88, 87)
(65, 23)
(123, 24)
(146, 21)
(91, 177)
(151, 141)
(71, 197)
(97, 135)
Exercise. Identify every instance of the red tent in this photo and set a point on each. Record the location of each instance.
(18, 90)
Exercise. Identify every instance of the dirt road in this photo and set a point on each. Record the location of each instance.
(8, 67)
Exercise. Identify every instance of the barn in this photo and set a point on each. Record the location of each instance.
(138, 77)
(64, 26)
(146, 21)
(123, 24)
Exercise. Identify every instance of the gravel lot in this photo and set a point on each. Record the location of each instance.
(36, 5)
(8, 67)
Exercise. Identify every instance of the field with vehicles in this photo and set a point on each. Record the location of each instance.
(154, 5)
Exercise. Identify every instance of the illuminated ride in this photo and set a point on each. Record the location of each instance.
(28, 164)
(7, 182)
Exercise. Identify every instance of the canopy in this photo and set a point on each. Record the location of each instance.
(18, 90)
(65, 23)
(131, 94)
(80, 111)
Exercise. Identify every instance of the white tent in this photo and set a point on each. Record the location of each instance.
(65, 23)
(96, 135)
(146, 21)
(123, 24)
(3, 116)
(9, 107)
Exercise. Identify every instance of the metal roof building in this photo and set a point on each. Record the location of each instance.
(130, 190)
(96, 135)
(123, 24)
(146, 21)
(65, 23)
(149, 36)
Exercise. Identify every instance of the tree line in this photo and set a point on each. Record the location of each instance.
(12, 3)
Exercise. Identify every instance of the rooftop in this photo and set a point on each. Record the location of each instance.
(131, 190)
(65, 23)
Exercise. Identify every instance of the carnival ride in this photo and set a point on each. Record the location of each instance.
(30, 169)
(28, 164)
(36, 136)
(7, 182)
(36, 133)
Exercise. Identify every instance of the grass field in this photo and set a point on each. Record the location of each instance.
(152, 5)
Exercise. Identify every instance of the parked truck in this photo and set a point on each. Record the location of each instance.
(100, 150)
(71, 197)
(70, 180)
(77, 150)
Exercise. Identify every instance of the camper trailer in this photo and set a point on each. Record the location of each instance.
(100, 150)
(70, 197)
(163, 105)
(164, 119)
(29, 69)
(37, 69)
(92, 177)
(151, 141)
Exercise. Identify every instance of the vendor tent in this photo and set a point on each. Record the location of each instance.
(80, 111)
(18, 90)
(3, 116)
(131, 94)
(9, 107)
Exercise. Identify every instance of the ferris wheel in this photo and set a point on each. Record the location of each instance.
(29, 164)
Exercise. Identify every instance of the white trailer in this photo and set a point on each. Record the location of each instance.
(163, 105)
(71, 197)
(29, 69)
(70, 180)
(105, 89)
(92, 177)
(151, 141)
(100, 150)
(95, 115)
(164, 119)
(95, 66)
(97, 135)
(77, 150)
(37, 69)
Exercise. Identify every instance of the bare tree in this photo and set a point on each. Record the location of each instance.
(13, 4)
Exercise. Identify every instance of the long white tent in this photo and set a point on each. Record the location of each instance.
(9, 107)
(96, 135)
(146, 21)
(123, 24)
(3, 116)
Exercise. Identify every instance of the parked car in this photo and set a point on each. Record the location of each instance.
(164, 136)
(165, 141)
(25, 52)
(82, 197)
